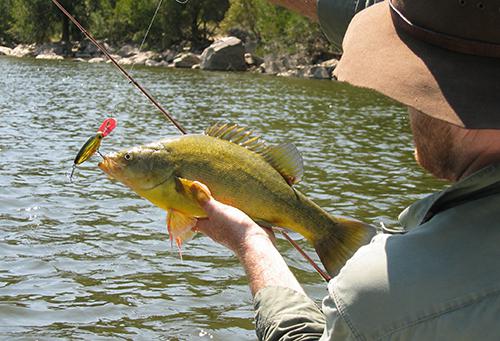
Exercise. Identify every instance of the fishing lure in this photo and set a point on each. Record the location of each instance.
(93, 143)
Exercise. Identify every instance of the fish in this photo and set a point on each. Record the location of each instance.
(243, 171)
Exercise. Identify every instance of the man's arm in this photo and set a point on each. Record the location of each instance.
(252, 244)
(333, 15)
(283, 310)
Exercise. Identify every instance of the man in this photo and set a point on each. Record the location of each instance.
(440, 280)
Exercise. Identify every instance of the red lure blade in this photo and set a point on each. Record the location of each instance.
(107, 126)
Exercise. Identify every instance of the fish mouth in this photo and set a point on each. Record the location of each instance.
(115, 172)
(108, 166)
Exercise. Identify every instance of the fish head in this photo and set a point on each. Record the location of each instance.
(141, 168)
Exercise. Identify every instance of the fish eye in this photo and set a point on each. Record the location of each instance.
(128, 157)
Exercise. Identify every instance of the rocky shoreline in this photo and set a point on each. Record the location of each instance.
(225, 54)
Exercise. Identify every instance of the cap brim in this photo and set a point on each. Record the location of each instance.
(461, 89)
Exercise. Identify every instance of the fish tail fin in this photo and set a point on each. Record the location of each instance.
(343, 237)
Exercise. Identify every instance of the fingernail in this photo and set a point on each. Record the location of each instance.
(200, 193)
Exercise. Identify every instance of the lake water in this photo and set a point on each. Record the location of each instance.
(91, 260)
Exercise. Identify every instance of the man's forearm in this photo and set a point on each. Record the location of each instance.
(264, 265)
(307, 8)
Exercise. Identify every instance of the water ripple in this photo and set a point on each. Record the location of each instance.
(91, 260)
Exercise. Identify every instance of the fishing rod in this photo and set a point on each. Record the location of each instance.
(122, 70)
(325, 276)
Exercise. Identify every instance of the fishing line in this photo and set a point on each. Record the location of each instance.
(122, 70)
(151, 24)
(147, 31)
(323, 274)
(163, 111)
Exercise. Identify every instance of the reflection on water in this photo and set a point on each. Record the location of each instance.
(92, 260)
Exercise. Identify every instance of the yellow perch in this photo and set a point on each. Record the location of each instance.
(242, 171)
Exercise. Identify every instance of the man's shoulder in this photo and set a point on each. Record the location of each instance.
(401, 282)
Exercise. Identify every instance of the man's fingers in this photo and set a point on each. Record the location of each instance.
(203, 196)
(200, 192)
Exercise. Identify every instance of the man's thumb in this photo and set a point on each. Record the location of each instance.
(201, 193)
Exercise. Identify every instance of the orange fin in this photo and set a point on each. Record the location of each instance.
(179, 228)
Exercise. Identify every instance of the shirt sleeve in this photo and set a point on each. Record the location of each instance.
(284, 314)
(335, 15)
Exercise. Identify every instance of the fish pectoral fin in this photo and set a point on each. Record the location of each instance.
(183, 186)
(194, 190)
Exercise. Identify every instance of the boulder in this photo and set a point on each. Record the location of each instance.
(23, 50)
(224, 54)
(168, 55)
(151, 62)
(314, 71)
(115, 57)
(252, 60)
(139, 59)
(261, 68)
(128, 50)
(274, 65)
(97, 60)
(50, 49)
(89, 50)
(5, 51)
(49, 56)
(186, 60)
(331, 63)
(288, 73)
(320, 72)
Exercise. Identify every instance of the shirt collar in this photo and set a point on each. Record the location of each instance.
(476, 185)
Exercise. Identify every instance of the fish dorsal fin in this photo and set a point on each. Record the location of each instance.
(285, 158)
(239, 135)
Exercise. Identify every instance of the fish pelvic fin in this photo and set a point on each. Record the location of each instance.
(179, 228)
(345, 237)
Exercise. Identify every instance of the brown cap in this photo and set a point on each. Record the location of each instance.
(439, 57)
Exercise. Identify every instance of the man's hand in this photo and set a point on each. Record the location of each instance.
(227, 225)
(307, 8)
(252, 244)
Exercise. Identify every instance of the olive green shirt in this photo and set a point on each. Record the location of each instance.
(438, 281)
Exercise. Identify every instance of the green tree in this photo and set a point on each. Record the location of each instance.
(32, 20)
(204, 17)
(5, 21)
(274, 28)
(41, 20)
(127, 21)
